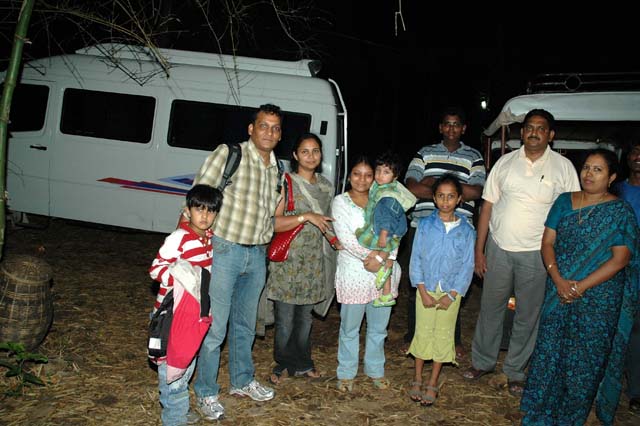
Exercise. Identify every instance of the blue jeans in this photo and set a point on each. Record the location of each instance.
(349, 341)
(237, 278)
(175, 396)
(292, 343)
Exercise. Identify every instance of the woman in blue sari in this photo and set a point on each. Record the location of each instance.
(590, 250)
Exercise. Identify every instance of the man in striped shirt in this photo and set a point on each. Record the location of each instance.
(242, 231)
(451, 156)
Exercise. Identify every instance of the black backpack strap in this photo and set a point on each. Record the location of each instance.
(280, 175)
(205, 301)
(233, 162)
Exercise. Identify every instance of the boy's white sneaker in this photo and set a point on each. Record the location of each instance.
(255, 391)
(193, 417)
(210, 408)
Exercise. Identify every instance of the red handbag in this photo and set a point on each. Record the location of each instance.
(279, 248)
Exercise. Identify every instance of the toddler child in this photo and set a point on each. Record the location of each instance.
(441, 268)
(180, 261)
(385, 221)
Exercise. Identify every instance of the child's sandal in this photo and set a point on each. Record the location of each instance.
(416, 394)
(428, 400)
(384, 300)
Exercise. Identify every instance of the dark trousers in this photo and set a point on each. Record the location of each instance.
(404, 258)
(633, 360)
(292, 346)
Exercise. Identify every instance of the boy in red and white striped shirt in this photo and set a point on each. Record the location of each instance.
(191, 242)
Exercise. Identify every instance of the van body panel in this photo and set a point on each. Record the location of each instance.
(139, 180)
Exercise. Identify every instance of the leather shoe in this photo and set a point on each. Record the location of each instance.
(634, 405)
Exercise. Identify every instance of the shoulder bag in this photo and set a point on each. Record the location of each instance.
(279, 248)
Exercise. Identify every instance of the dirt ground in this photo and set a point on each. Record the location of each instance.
(98, 373)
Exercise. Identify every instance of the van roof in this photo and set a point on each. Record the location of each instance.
(303, 67)
(583, 106)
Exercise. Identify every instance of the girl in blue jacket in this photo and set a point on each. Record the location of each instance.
(441, 268)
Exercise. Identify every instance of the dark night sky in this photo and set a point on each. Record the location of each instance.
(394, 86)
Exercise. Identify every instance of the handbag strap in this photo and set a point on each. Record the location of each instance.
(290, 203)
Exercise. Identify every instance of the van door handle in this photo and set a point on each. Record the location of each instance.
(39, 147)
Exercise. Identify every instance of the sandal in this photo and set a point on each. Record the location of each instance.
(516, 387)
(384, 300)
(381, 383)
(275, 378)
(473, 373)
(345, 385)
(312, 374)
(416, 394)
(428, 400)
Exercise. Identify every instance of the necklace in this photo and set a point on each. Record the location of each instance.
(586, 216)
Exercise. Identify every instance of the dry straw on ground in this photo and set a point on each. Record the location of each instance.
(98, 372)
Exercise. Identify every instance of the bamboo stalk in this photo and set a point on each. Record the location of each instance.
(5, 105)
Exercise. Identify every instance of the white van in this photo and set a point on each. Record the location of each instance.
(107, 135)
(584, 120)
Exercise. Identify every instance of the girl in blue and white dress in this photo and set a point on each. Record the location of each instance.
(441, 269)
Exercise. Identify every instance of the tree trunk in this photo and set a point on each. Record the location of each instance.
(5, 105)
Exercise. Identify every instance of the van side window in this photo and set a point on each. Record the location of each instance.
(28, 107)
(203, 126)
(107, 115)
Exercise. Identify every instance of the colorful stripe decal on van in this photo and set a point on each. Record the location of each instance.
(148, 186)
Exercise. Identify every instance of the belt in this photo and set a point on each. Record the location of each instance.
(250, 245)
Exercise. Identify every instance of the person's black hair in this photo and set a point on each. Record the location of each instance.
(609, 157)
(447, 178)
(205, 196)
(454, 110)
(538, 112)
(361, 159)
(267, 109)
(391, 160)
(293, 162)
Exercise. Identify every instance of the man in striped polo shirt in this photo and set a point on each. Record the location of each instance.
(451, 156)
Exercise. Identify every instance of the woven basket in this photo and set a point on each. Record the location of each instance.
(26, 308)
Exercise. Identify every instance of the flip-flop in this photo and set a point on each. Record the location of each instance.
(312, 374)
(473, 373)
(516, 387)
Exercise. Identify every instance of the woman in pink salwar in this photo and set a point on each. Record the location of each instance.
(356, 288)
